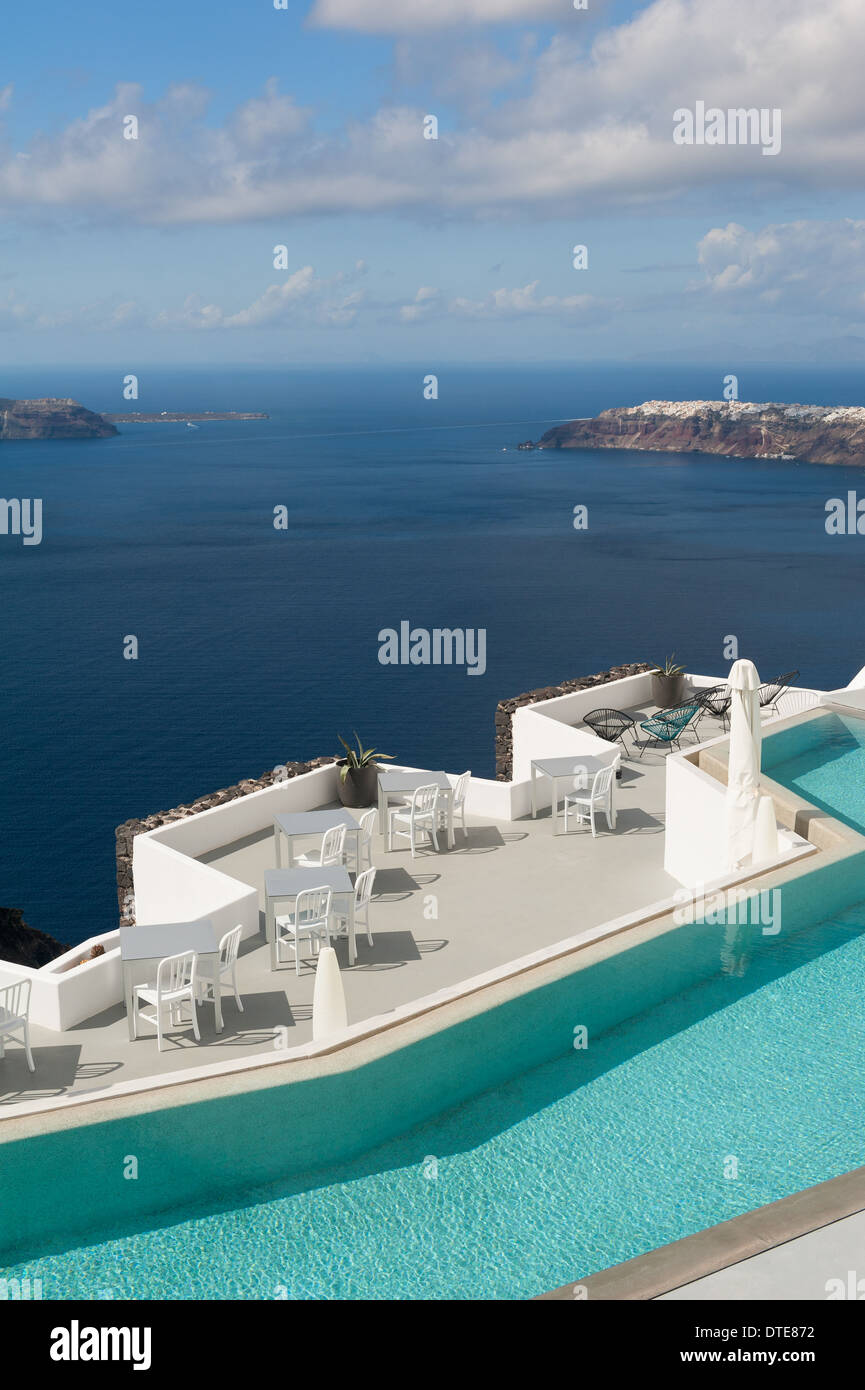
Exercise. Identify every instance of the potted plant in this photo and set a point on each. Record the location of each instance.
(668, 683)
(357, 783)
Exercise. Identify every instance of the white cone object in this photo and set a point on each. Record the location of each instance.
(329, 1014)
(765, 832)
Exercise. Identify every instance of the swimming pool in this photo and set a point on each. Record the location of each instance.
(743, 1088)
(823, 760)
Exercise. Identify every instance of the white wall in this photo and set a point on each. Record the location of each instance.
(536, 736)
(486, 797)
(849, 698)
(695, 833)
(695, 840)
(627, 693)
(221, 825)
(64, 993)
(172, 887)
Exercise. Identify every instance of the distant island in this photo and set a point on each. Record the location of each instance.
(178, 417)
(51, 419)
(737, 429)
(54, 418)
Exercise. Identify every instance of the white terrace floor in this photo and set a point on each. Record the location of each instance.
(508, 889)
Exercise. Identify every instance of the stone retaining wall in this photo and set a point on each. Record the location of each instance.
(125, 833)
(505, 708)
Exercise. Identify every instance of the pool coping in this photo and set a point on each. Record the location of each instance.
(674, 1266)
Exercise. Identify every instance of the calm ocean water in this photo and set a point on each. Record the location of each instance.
(258, 646)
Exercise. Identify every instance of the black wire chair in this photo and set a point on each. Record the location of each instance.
(610, 724)
(770, 693)
(715, 700)
(700, 697)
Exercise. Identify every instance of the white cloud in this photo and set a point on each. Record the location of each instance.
(6, 96)
(100, 316)
(422, 306)
(125, 315)
(803, 267)
(506, 303)
(301, 299)
(411, 16)
(15, 313)
(518, 303)
(278, 303)
(194, 314)
(277, 307)
(592, 125)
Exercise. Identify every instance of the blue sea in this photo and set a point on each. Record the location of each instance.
(258, 645)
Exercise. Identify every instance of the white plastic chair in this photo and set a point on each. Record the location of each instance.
(310, 920)
(365, 831)
(332, 850)
(176, 985)
(362, 895)
(14, 1011)
(422, 814)
(600, 798)
(458, 796)
(211, 974)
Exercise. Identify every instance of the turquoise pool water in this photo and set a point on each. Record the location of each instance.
(742, 1089)
(824, 761)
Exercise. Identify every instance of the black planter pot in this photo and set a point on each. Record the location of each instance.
(360, 787)
(668, 690)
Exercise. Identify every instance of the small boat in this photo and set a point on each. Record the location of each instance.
(190, 426)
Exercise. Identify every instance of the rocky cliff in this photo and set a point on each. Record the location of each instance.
(739, 429)
(51, 419)
(23, 945)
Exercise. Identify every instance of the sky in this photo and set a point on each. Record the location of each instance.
(304, 127)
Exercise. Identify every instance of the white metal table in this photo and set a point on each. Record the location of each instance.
(579, 770)
(283, 884)
(142, 947)
(298, 824)
(403, 784)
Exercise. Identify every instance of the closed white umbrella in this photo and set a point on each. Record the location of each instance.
(329, 1014)
(743, 774)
